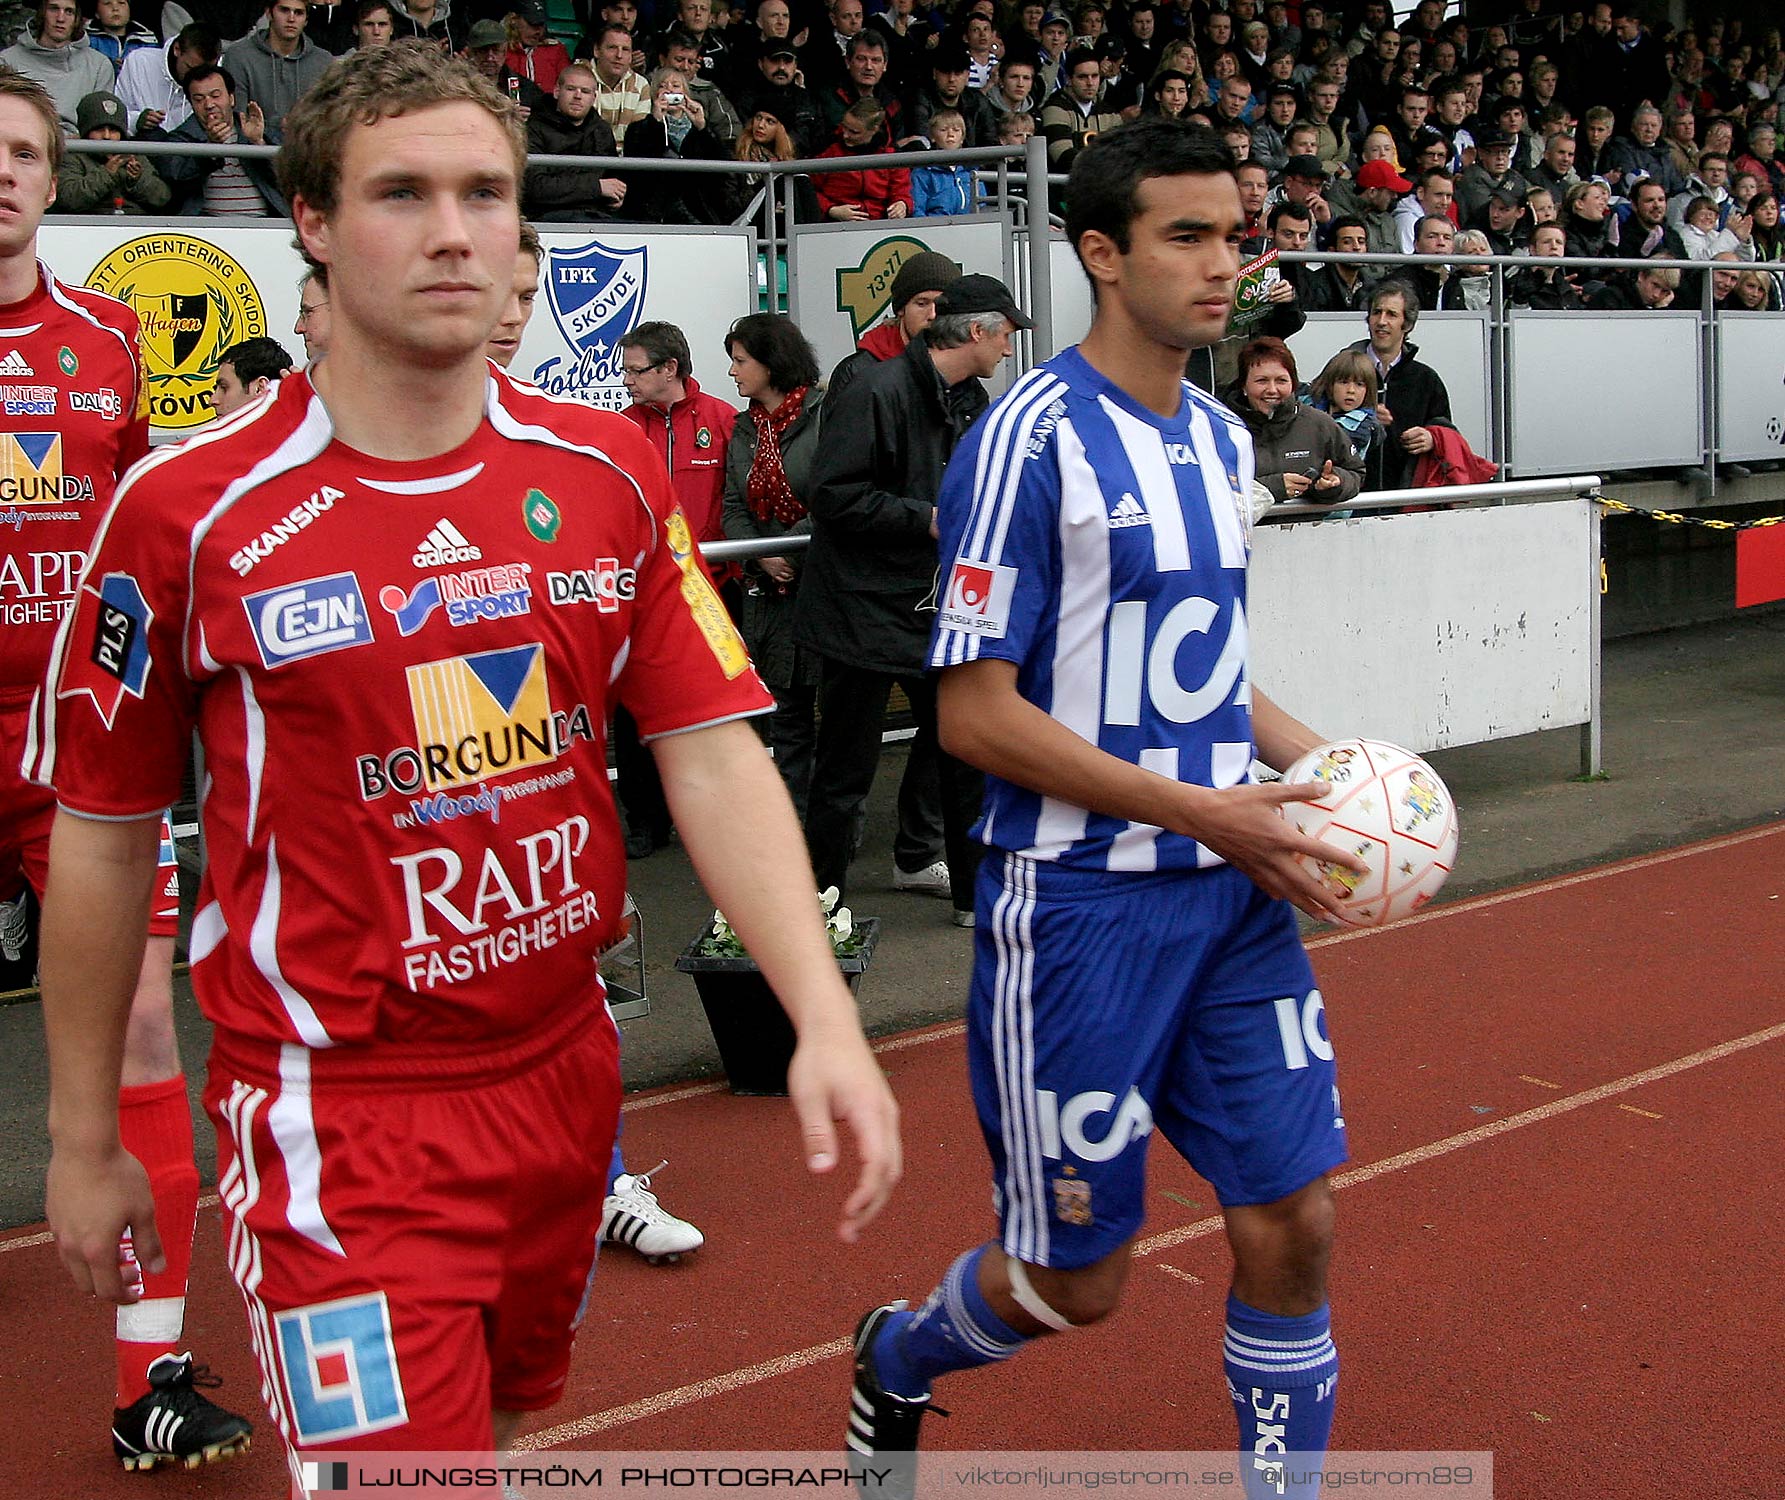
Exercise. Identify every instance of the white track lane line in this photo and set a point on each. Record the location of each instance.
(800, 1359)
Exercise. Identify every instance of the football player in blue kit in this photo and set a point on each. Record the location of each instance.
(1136, 957)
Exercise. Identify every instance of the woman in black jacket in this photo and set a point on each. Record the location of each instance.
(676, 127)
(767, 469)
(1303, 456)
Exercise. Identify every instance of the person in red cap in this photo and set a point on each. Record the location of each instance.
(1378, 186)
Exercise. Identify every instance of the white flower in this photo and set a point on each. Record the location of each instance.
(827, 899)
(841, 925)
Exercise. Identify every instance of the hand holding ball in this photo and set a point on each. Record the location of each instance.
(1389, 808)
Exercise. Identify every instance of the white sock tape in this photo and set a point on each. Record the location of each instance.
(154, 1320)
(1027, 1298)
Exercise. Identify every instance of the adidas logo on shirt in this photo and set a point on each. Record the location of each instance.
(445, 544)
(1128, 512)
(14, 364)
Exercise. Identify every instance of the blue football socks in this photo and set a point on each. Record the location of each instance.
(1284, 1375)
(955, 1330)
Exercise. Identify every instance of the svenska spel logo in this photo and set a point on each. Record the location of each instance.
(193, 301)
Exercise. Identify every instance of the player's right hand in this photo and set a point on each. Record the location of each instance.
(91, 1201)
(1245, 826)
(834, 1077)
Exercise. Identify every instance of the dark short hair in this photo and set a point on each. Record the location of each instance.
(678, 36)
(256, 359)
(1288, 210)
(1393, 286)
(205, 72)
(776, 341)
(203, 38)
(366, 9)
(1102, 190)
(663, 342)
(864, 41)
(1344, 221)
(605, 27)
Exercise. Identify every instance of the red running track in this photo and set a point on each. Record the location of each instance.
(1559, 1237)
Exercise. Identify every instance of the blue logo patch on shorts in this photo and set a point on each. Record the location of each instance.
(340, 1366)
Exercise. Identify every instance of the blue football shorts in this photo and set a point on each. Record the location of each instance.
(1106, 1003)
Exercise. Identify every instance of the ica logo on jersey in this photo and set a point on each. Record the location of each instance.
(1142, 670)
(307, 619)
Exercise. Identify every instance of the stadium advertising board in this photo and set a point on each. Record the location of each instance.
(198, 291)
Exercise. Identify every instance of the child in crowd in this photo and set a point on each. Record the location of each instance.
(945, 190)
(1346, 391)
(1541, 203)
(113, 35)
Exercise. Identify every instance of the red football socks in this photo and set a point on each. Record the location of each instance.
(155, 1125)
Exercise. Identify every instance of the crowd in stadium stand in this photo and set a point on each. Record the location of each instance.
(1635, 140)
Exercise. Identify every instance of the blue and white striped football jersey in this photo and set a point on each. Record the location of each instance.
(1102, 549)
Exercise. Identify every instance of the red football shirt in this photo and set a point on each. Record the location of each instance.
(74, 414)
(401, 674)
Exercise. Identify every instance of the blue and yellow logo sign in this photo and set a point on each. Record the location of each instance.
(482, 715)
(31, 468)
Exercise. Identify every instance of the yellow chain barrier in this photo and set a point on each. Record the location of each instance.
(1684, 520)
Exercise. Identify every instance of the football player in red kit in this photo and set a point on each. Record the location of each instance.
(73, 415)
(395, 602)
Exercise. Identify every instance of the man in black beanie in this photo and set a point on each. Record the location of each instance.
(921, 279)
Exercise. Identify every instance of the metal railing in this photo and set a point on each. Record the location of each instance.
(1021, 186)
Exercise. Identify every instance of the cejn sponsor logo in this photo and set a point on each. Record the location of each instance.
(309, 618)
(28, 400)
(494, 593)
(522, 898)
(477, 716)
(247, 558)
(444, 546)
(603, 585)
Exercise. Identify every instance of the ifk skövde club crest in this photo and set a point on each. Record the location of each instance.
(597, 295)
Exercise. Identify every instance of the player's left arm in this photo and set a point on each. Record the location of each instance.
(96, 1189)
(738, 825)
(1280, 738)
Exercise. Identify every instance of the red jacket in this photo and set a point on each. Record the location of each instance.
(1451, 461)
(870, 189)
(691, 438)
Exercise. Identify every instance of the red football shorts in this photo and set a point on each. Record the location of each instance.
(416, 1250)
(26, 812)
